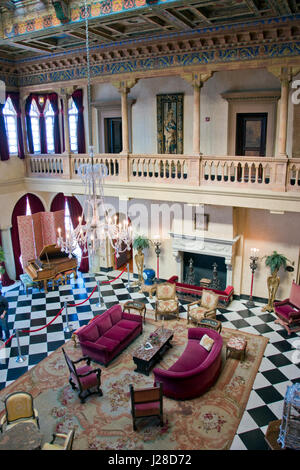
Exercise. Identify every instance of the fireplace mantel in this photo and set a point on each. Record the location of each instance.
(210, 246)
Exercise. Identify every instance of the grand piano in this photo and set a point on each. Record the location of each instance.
(51, 262)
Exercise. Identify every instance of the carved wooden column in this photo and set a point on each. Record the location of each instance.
(124, 87)
(65, 98)
(197, 81)
(285, 75)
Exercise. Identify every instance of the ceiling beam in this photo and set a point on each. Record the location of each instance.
(172, 18)
(200, 15)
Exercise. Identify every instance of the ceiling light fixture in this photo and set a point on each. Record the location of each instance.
(95, 225)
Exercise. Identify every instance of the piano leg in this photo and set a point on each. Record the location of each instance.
(46, 286)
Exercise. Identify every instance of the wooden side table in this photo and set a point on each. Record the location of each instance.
(272, 435)
(236, 345)
(148, 288)
(210, 323)
(135, 305)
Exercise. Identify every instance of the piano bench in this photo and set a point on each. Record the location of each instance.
(26, 282)
(59, 278)
(68, 274)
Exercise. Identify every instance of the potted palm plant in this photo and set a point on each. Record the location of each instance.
(140, 242)
(275, 261)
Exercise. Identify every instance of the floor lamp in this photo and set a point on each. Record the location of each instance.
(157, 245)
(253, 265)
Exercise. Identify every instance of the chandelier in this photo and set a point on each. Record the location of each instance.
(95, 225)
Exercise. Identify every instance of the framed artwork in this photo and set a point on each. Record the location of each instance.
(201, 221)
(170, 123)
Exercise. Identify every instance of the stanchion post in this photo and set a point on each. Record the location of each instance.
(19, 358)
(68, 328)
(128, 277)
(100, 302)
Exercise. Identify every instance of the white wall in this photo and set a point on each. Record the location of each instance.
(213, 106)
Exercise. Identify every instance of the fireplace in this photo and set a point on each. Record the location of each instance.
(220, 251)
(203, 268)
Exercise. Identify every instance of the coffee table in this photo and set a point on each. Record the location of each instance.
(145, 359)
(210, 323)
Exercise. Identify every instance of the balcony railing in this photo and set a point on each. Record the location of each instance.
(264, 173)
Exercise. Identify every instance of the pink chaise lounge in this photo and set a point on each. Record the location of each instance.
(196, 369)
(109, 333)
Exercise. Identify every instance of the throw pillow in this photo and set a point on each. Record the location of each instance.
(206, 342)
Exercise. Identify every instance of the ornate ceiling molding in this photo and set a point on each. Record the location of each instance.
(262, 46)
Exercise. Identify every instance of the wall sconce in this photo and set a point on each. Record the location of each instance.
(253, 265)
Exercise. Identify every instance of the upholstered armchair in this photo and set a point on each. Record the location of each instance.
(204, 308)
(66, 441)
(166, 300)
(146, 402)
(19, 407)
(84, 378)
(288, 310)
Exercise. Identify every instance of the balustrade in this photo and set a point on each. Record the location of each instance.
(264, 173)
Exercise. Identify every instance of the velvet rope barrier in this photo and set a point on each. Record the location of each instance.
(70, 305)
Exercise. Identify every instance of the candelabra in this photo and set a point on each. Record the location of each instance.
(253, 265)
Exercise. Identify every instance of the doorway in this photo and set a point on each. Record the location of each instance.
(251, 134)
(113, 134)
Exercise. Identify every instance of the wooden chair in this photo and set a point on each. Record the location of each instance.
(206, 307)
(84, 378)
(145, 403)
(67, 444)
(19, 407)
(166, 300)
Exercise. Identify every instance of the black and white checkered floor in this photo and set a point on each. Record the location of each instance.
(278, 368)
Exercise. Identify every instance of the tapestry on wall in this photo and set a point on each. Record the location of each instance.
(170, 123)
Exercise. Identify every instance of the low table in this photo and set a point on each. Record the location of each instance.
(210, 323)
(237, 345)
(145, 359)
(150, 288)
(22, 436)
(272, 435)
(135, 305)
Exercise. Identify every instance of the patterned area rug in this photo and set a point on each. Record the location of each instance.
(208, 422)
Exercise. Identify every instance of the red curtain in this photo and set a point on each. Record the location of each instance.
(76, 212)
(58, 203)
(62, 124)
(78, 100)
(6, 281)
(15, 99)
(20, 209)
(4, 150)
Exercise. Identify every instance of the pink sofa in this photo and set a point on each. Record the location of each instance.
(196, 369)
(109, 333)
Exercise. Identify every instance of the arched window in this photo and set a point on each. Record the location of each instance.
(49, 118)
(35, 126)
(10, 118)
(73, 117)
(69, 228)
